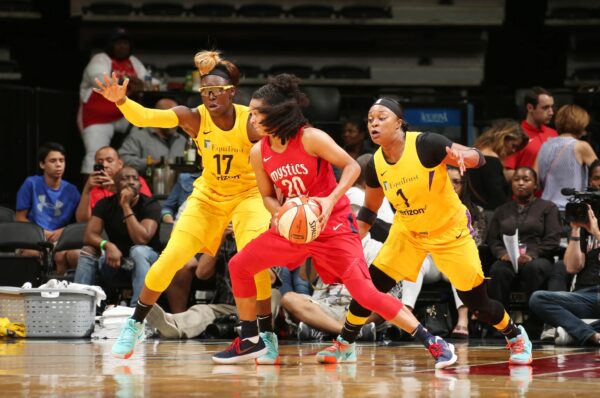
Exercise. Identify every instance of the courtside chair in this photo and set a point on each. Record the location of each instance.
(6, 214)
(164, 233)
(15, 270)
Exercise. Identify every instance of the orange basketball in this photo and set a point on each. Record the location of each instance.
(297, 220)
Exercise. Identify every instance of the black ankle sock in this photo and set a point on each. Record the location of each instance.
(423, 336)
(350, 331)
(141, 310)
(249, 329)
(510, 331)
(265, 323)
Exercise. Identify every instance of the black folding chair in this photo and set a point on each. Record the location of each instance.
(164, 233)
(71, 237)
(15, 270)
(6, 214)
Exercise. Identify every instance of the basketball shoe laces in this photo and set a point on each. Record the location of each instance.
(436, 350)
(235, 345)
(337, 346)
(517, 347)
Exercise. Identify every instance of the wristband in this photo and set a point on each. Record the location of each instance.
(574, 238)
(127, 216)
(481, 161)
(366, 215)
(102, 244)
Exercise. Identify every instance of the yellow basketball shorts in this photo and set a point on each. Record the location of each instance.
(200, 229)
(453, 250)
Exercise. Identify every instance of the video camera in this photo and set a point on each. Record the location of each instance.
(576, 209)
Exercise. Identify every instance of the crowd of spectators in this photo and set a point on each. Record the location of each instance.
(518, 190)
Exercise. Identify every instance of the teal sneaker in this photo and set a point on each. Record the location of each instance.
(340, 351)
(520, 348)
(131, 334)
(272, 355)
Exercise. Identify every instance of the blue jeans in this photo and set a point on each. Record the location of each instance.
(291, 281)
(88, 268)
(567, 309)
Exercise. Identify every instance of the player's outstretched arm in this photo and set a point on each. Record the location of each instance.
(463, 157)
(141, 116)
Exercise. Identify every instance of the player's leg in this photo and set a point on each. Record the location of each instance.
(250, 218)
(400, 258)
(265, 251)
(459, 260)
(344, 252)
(198, 229)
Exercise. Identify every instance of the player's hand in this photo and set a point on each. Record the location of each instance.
(111, 89)
(458, 158)
(326, 207)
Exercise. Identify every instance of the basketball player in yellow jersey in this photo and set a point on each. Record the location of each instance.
(225, 192)
(409, 168)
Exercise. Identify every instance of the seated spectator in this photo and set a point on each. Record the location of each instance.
(293, 281)
(567, 309)
(100, 183)
(50, 202)
(98, 119)
(172, 206)
(538, 225)
(487, 184)
(152, 141)
(562, 161)
(355, 139)
(130, 220)
(429, 272)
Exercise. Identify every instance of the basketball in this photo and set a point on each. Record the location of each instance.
(297, 220)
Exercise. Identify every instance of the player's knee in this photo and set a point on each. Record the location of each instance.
(477, 300)
(382, 281)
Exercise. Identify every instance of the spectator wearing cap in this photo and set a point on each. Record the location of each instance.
(98, 118)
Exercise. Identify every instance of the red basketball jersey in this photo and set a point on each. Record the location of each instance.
(297, 173)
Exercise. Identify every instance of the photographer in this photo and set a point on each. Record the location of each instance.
(567, 309)
(130, 220)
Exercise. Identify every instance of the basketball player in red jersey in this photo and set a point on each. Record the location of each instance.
(297, 159)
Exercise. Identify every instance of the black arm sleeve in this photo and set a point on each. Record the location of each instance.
(431, 148)
(371, 174)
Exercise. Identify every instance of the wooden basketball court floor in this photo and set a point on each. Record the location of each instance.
(168, 369)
